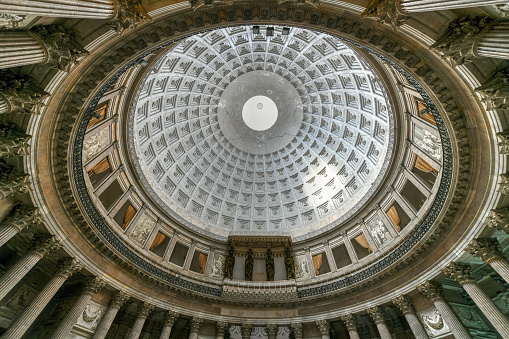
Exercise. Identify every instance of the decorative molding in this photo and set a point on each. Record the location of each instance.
(196, 323)
(495, 92)
(13, 143)
(119, 298)
(323, 326)
(221, 328)
(144, 310)
(349, 321)
(432, 290)
(22, 217)
(376, 314)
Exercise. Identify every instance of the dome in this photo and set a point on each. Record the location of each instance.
(325, 155)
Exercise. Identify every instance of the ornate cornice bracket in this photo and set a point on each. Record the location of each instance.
(130, 13)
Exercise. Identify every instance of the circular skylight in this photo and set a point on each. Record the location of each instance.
(319, 152)
(259, 113)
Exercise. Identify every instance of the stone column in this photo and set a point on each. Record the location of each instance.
(221, 329)
(117, 300)
(93, 9)
(296, 328)
(350, 325)
(20, 218)
(246, 330)
(488, 249)
(378, 317)
(415, 6)
(14, 183)
(433, 291)
(323, 327)
(52, 44)
(406, 308)
(271, 330)
(21, 48)
(23, 322)
(461, 273)
(42, 246)
(92, 286)
(169, 320)
(143, 313)
(494, 41)
(195, 327)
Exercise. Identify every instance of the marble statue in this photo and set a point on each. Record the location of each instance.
(269, 266)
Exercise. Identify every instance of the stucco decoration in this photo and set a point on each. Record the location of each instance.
(96, 143)
(429, 141)
(91, 316)
(217, 268)
(143, 228)
(378, 231)
(301, 267)
(323, 157)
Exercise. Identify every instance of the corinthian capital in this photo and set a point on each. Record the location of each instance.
(94, 285)
(68, 267)
(296, 329)
(385, 11)
(376, 314)
(42, 245)
(170, 317)
(457, 44)
(60, 43)
(349, 321)
(145, 309)
(196, 324)
(22, 217)
(19, 94)
(13, 183)
(221, 328)
(432, 290)
(130, 13)
(459, 272)
(119, 298)
(404, 304)
(246, 330)
(498, 219)
(496, 91)
(13, 143)
(485, 248)
(271, 330)
(323, 326)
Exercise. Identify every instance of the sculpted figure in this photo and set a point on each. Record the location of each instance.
(269, 266)
(248, 274)
(289, 264)
(229, 263)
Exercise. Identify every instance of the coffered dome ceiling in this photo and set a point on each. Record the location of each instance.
(312, 167)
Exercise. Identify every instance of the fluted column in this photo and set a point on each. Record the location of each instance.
(20, 218)
(461, 273)
(117, 300)
(271, 330)
(494, 42)
(414, 6)
(246, 330)
(351, 326)
(433, 291)
(92, 286)
(23, 322)
(93, 9)
(142, 315)
(195, 327)
(221, 328)
(488, 249)
(378, 317)
(51, 44)
(21, 48)
(406, 308)
(42, 246)
(323, 327)
(297, 330)
(169, 320)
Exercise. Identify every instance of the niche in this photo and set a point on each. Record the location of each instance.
(111, 194)
(397, 216)
(413, 195)
(361, 246)
(341, 256)
(179, 254)
(199, 262)
(320, 263)
(159, 244)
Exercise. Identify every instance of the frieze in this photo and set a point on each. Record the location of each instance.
(145, 44)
